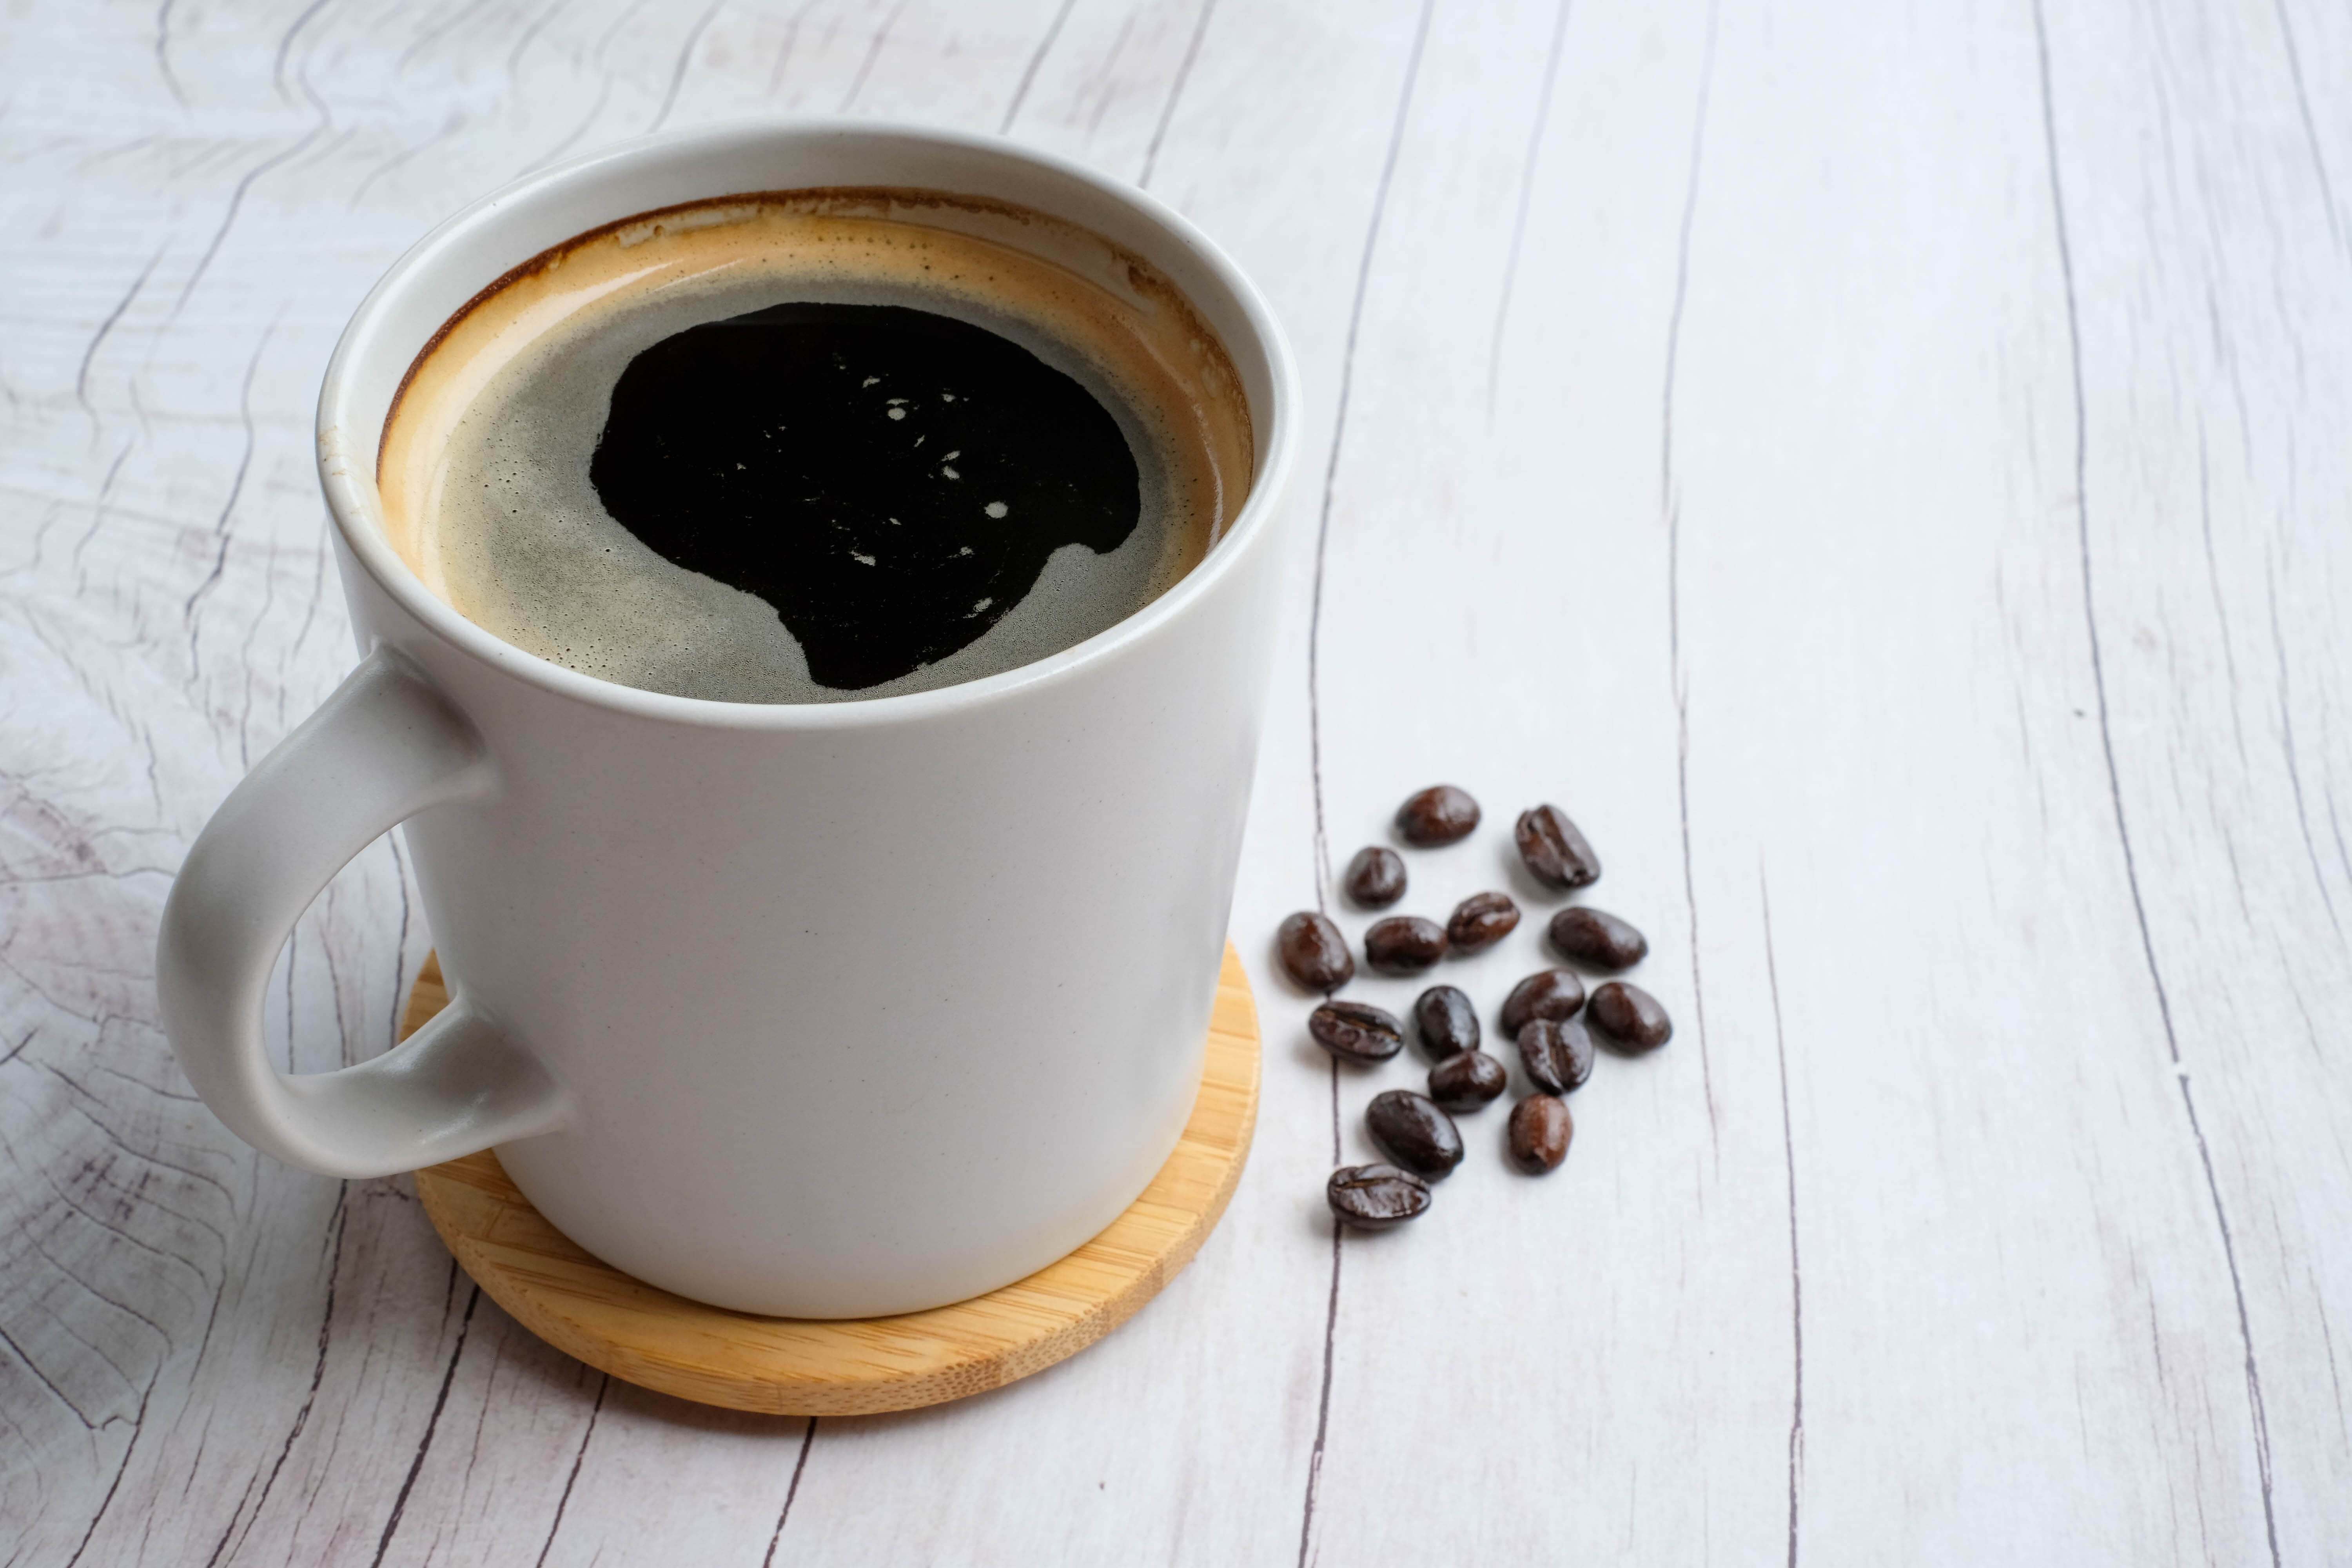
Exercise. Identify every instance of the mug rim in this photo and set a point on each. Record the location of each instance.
(354, 503)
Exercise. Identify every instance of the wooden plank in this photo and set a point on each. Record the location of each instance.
(2205, 264)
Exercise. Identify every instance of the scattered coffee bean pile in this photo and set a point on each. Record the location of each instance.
(1546, 1016)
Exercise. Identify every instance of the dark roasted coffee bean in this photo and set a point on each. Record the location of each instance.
(1314, 952)
(1545, 993)
(1404, 945)
(1438, 815)
(1446, 1022)
(1554, 851)
(1374, 1197)
(1539, 1133)
(1376, 877)
(1557, 1053)
(1467, 1080)
(1630, 1018)
(1416, 1133)
(1481, 920)
(1356, 1031)
(1598, 937)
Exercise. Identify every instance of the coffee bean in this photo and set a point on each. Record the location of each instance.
(1545, 993)
(1404, 945)
(1314, 952)
(1598, 937)
(1557, 1053)
(1481, 920)
(1376, 877)
(1539, 1133)
(1416, 1133)
(1554, 851)
(1467, 1080)
(1374, 1197)
(1447, 1023)
(1356, 1031)
(1438, 815)
(1630, 1018)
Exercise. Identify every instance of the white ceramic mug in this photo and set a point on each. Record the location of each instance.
(817, 1010)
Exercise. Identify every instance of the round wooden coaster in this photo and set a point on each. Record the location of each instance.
(793, 1366)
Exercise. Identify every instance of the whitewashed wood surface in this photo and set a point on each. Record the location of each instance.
(1884, 469)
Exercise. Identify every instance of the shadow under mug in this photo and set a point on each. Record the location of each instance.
(815, 1010)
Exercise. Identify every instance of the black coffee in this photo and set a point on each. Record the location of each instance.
(890, 480)
(816, 446)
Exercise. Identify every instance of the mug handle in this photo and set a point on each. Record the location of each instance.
(383, 747)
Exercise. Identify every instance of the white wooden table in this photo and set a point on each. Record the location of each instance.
(1885, 473)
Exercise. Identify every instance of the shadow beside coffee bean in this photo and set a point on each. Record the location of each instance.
(1541, 1015)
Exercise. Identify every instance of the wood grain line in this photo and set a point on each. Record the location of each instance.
(310, 1396)
(2294, 764)
(1796, 1269)
(572, 1478)
(1526, 197)
(237, 202)
(228, 507)
(1671, 502)
(163, 54)
(1322, 850)
(286, 50)
(603, 89)
(432, 1426)
(428, 36)
(872, 53)
(1175, 91)
(2221, 605)
(98, 338)
(685, 58)
(138, 1427)
(2114, 777)
(2310, 127)
(1036, 59)
(524, 39)
(400, 943)
(793, 1490)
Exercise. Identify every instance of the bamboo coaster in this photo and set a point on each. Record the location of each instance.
(793, 1366)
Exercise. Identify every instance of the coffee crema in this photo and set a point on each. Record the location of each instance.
(807, 446)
